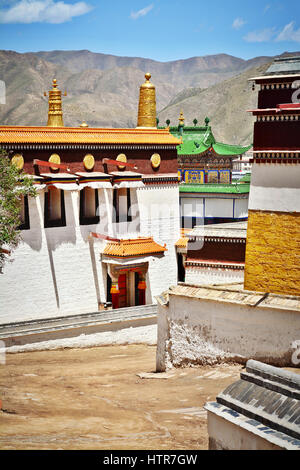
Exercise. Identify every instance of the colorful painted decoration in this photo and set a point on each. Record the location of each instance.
(121, 158)
(194, 176)
(224, 176)
(18, 161)
(155, 160)
(212, 176)
(89, 161)
(54, 159)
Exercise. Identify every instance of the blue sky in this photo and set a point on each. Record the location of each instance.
(159, 29)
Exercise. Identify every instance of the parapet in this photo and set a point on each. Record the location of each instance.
(258, 412)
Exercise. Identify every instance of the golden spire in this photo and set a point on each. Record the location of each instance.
(147, 104)
(181, 118)
(55, 115)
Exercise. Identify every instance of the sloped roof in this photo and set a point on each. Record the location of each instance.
(234, 188)
(245, 179)
(133, 247)
(197, 140)
(183, 240)
(77, 135)
(284, 65)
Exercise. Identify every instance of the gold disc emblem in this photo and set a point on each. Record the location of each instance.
(54, 159)
(89, 161)
(155, 160)
(18, 161)
(121, 158)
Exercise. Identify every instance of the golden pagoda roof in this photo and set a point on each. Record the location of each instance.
(78, 135)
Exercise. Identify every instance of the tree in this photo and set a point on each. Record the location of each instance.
(14, 185)
(195, 121)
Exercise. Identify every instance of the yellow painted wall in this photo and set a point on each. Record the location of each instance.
(273, 252)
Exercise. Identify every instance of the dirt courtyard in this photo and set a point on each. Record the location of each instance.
(94, 398)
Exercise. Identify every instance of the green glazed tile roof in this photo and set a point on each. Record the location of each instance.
(197, 140)
(245, 179)
(234, 188)
(225, 149)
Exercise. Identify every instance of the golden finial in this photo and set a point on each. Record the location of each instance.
(84, 124)
(55, 115)
(181, 118)
(147, 104)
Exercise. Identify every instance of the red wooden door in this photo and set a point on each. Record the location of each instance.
(123, 291)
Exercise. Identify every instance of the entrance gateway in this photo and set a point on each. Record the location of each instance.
(127, 266)
(126, 286)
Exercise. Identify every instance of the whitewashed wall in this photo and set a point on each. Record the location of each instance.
(275, 188)
(57, 271)
(199, 331)
(210, 206)
(159, 217)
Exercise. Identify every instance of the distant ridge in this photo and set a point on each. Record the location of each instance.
(103, 89)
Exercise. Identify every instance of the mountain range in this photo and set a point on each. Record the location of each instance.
(103, 89)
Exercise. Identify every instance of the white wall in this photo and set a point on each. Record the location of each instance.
(200, 331)
(159, 217)
(53, 270)
(275, 187)
(57, 271)
(241, 208)
(218, 207)
(227, 435)
(229, 206)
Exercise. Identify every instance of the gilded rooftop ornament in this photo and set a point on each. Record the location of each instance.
(55, 115)
(147, 104)
(181, 119)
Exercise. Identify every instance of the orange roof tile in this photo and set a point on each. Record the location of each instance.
(77, 135)
(133, 247)
(183, 240)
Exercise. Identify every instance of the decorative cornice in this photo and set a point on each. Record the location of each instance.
(160, 180)
(279, 156)
(283, 85)
(217, 239)
(281, 117)
(85, 146)
(200, 264)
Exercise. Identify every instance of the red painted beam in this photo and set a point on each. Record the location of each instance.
(119, 163)
(104, 237)
(63, 166)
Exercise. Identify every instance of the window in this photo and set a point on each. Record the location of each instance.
(24, 214)
(89, 204)
(54, 208)
(122, 205)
